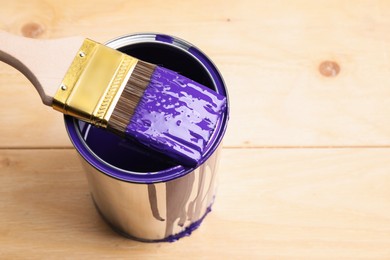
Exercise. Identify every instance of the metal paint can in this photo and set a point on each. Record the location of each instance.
(139, 193)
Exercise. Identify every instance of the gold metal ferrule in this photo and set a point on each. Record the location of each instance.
(94, 83)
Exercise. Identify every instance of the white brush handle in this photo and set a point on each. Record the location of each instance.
(43, 62)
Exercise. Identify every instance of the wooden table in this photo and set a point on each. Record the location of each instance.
(305, 169)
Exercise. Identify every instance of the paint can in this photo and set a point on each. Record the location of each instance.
(139, 193)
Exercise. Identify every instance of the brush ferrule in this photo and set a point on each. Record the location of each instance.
(94, 82)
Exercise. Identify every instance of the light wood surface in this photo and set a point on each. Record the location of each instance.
(305, 169)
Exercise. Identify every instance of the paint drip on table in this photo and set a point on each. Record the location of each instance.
(179, 115)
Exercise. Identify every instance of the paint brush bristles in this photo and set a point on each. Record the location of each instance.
(130, 97)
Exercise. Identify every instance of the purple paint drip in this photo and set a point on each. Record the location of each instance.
(172, 238)
(188, 230)
(176, 116)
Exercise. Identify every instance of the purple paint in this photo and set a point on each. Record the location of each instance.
(118, 157)
(176, 116)
(172, 238)
(127, 158)
(164, 38)
(187, 231)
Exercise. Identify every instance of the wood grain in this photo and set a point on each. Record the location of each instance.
(271, 204)
(305, 169)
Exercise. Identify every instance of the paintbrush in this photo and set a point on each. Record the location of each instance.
(157, 107)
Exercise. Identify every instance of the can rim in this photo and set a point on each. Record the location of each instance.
(175, 171)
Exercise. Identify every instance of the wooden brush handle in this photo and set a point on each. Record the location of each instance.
(43, 62)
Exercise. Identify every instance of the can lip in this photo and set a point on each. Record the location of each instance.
(173, 172)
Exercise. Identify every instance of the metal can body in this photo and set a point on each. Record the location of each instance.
(139, 194)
